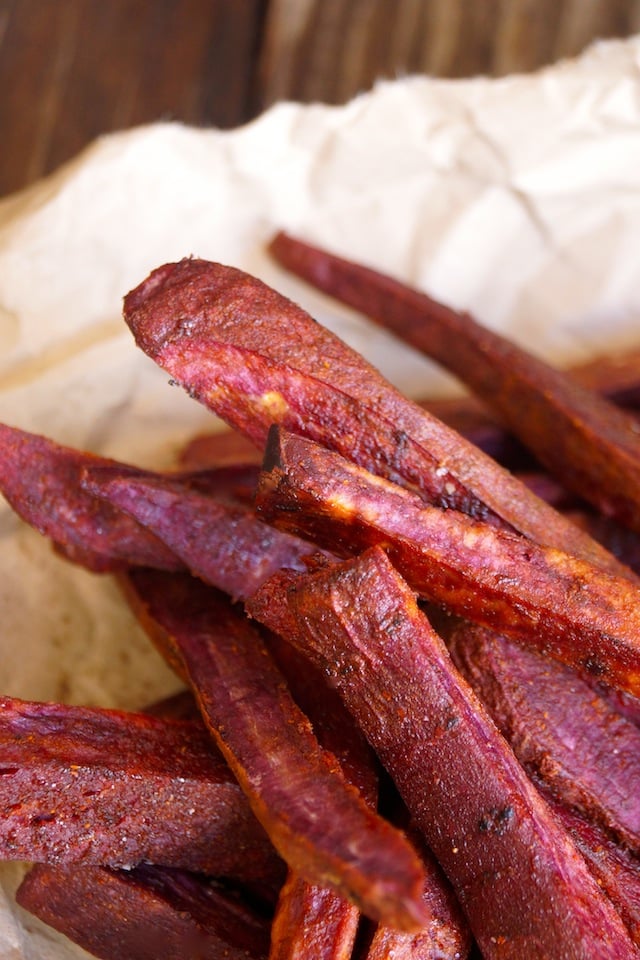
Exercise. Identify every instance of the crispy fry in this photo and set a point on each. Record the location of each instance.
(41, 481)
(255, 359)
(615, 376)
(446, 938)
(226, 546)
(591, 445)
(319, 824)
(83, 785)
(311, 920)
(615, 868)
(526, 891)
(574, 612)
(560, 730)
(148, 913)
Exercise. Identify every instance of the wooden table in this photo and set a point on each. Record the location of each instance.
(73, 69)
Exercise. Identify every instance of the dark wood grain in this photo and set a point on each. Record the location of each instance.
(73, 69)
(330, 50)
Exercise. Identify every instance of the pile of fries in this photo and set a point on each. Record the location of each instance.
(409, 636)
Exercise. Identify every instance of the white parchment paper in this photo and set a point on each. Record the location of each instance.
(518, 199)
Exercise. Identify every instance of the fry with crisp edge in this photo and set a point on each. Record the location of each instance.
(255, 359)
(615, 868)
(319, 824)
(105, 787)
(590, 444)
(310, 920)
(526, 890)
(572, 611)
(227, 546)
(148, 913)
(615, 376)
(559, 729)
(41, 480)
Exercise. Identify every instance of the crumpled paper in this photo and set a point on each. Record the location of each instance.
(518, 199)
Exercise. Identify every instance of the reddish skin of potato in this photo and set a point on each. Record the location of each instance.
(314, 921)
(149, 913)
(83, 785)
(41, 481)
(225, 545)
(447, 938)
(615, 868)
(319, 824)
(591, 445)
(574, 612)
(559, 729)
(525, 888)
(255, 359)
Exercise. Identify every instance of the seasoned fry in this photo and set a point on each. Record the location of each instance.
(525, 889)
(255, 359)
(227, 546)
(586, 753)
(149, 913)
(311, 920)
(591, 445)
(41, 481)
(616, 870)
(84, 785)
(446, 938)
(574, 612)
(318, 823)
(616, 377)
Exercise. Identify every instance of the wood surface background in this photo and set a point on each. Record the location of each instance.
(73, 69)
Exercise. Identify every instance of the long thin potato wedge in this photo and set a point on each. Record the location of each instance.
(559, 729)
(575, 612)
(590, 444)
(311, 920)
(40, 479)
(104, 787)
(255, 359)
(526, 890)
(148, 913)
(42, 482)
(614, 376)
(615, 868)
(227, 546)
(320, 824)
